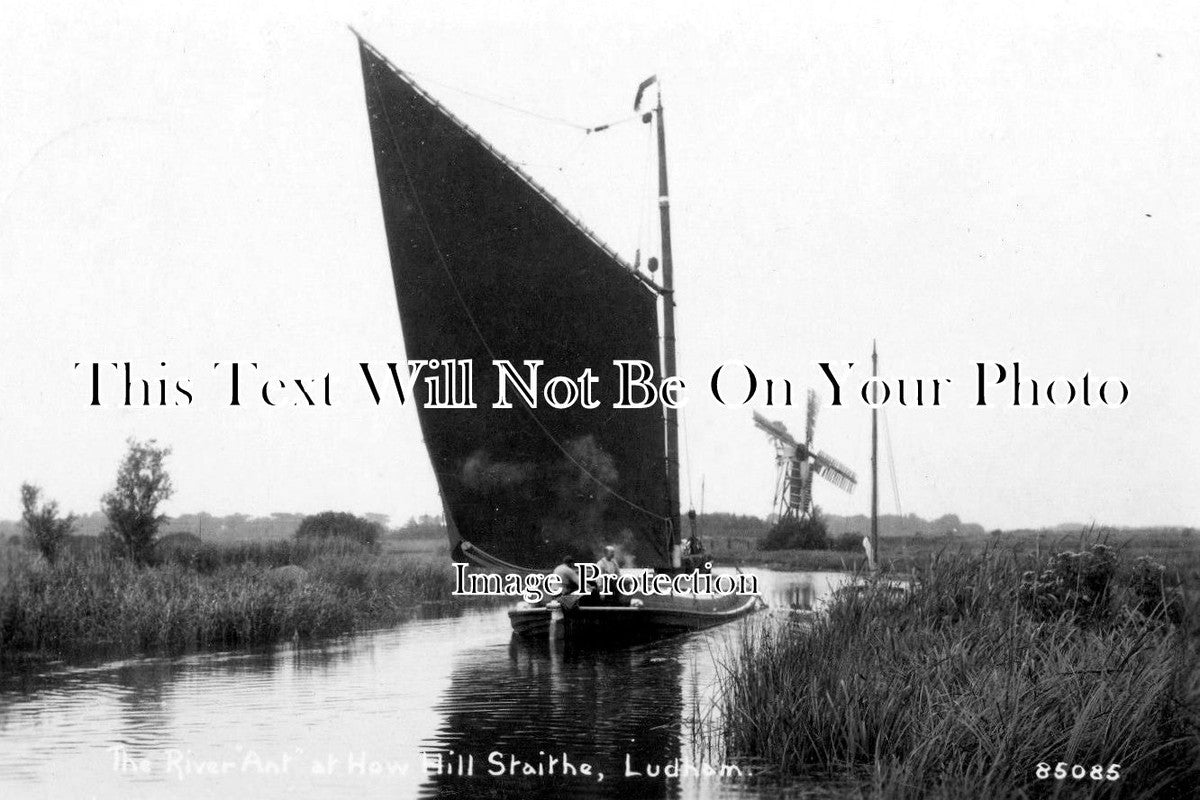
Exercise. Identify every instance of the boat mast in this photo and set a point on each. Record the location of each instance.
(668, 294)
(874, 455)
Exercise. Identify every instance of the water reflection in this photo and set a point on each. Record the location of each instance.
(573, 715)
(366, 716)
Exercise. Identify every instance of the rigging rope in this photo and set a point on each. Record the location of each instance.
(687, 455)
(574, 149)
(475, 325)
(562, 163)
(497, 102)
(645, 191)
(587, 129)
(887, 437)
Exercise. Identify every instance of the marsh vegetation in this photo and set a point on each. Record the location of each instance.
(991, 663)
(130, 589)
(206, 595)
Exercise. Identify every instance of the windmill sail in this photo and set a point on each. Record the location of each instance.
(835, 472)
(486, 266)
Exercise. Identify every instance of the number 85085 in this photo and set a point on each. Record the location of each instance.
(1062, 771)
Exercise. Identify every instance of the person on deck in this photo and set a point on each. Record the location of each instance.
(566, 572)
(608, 565)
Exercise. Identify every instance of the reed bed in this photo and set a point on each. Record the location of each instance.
(1179, 549)
(208, 596)
(992, 664)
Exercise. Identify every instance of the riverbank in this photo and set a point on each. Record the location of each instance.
(1179, 551)
(208, 596)
(995, 664)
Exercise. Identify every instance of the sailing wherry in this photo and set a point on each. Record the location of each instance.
(486, 266)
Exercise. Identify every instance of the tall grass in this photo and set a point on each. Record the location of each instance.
(962, 686)
(211, 596)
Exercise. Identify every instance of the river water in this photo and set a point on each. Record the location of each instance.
(448, 706)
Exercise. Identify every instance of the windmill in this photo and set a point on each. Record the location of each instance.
(797, 461)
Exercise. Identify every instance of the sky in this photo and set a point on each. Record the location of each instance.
(195, 185)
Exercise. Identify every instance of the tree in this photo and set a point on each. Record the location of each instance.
(329, 524)
(798, 534)
(43, 528)
(132, 505)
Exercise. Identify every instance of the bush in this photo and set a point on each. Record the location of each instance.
(1153, 598)
(1073, 584)
(330, 524)
(44, 529)
(798, 534)
(847, 542)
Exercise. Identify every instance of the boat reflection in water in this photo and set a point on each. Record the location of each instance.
(564, 711)
(559, 700)
(392, 699)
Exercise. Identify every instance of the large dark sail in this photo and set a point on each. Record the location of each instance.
(488, 266)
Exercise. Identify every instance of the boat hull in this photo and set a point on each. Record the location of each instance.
(655, 618)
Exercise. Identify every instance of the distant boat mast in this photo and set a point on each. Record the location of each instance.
(874, 456)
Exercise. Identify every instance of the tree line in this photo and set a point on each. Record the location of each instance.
(129, 524)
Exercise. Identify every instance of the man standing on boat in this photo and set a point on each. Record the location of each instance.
(608, 565)
(568, 575)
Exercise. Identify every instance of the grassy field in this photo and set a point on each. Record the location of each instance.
(209, 595)
(1179, 550)
(1001, 658)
